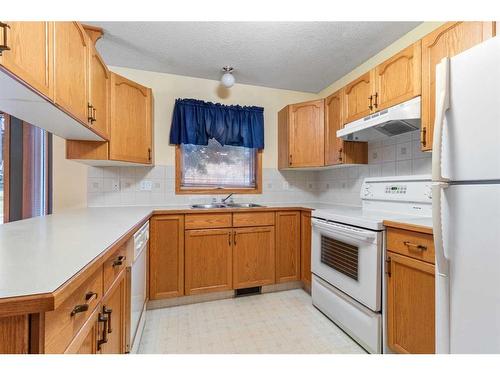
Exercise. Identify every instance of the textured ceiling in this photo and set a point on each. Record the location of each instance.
(303, 56)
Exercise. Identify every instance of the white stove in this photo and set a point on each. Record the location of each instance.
(347, 253)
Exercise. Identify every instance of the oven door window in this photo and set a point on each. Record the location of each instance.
(340, 256)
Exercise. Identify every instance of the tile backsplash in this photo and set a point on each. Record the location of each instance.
(126, 186)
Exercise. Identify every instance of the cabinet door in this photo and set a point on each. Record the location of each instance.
(208, 261)
(306, 134)
(398, 78)
(334, 122)
(305, 248)
(410, 305)
(287, 246)
(338, 151)
(166, 251)
(253, 257)
(100, 93)
(131, 130)
(30, 57)
(113, 307)
(448, 40)
(89, 343)
(85, 342)
(71, 69)
(358, 98)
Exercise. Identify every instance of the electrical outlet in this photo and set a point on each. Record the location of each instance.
(286, 185)
(115, 185)
(146, 185)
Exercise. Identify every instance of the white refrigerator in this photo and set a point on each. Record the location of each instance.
(466, 200)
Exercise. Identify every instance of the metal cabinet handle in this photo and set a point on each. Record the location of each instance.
(79, 309)
(388, 266)
(229, 239)
(290, 159)
(3, 45)
(340, 154)
(119, 261)
(94, 111)
(103, 319)
(107, 311)
(414, 245)
(234, 238)
(370, 105)
(375, 103)
(149, 154)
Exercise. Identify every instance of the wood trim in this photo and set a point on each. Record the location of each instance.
(80, 337)
(14, 335)
(179, 190)
(37, 333)
(408, 226)
(95, 33)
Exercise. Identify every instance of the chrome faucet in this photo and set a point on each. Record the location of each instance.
(225, 199)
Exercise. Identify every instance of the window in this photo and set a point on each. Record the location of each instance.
(26, 170)
(216, 169)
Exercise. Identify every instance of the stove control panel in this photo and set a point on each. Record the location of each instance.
(402, 189)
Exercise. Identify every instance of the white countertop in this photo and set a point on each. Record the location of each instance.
(38, 255)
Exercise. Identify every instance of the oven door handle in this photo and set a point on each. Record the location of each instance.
(333, 228)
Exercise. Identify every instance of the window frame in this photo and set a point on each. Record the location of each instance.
(204, 190)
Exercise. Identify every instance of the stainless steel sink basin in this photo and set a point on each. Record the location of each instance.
(243, 205)
(210, 205)
(226, 205)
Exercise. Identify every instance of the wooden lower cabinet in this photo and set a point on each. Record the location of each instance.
(113, 308)
(253, 257)
(305, 248)
(288, 246)
(208, 260)
(410, 305)
(14, 334)
(85, 342)
(166, 266)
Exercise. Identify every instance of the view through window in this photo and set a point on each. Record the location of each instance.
(216, 166)
(26, 170)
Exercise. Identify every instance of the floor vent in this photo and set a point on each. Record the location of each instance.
(248, 291)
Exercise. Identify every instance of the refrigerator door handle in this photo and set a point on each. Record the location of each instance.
(442, 256)
(442, 105)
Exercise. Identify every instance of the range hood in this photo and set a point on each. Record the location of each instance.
(401, 118)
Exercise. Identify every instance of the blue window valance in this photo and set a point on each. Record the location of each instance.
(195, 122)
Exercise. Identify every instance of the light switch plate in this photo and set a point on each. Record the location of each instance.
(115, 185)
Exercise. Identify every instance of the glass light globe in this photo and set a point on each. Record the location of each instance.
(227, 80)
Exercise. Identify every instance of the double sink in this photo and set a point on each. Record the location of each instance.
(226, 205)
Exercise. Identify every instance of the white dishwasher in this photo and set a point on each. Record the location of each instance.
(138, 287)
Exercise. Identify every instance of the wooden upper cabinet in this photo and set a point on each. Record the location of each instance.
(338, 151)
(288, 246)
(99, 93)
(71, 45)
(306, 134)
(446, 41)
(410, 305)
(208, 261)
(131, 121)
(166, 256)
(253, 257)
(358, 97)
(398, 78)
(30, 57)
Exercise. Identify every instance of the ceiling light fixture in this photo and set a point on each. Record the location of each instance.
(227, 79)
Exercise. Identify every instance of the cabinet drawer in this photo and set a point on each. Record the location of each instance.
(113, 266)
(62, 324)
(203, 221)
(413, 244)
(252, 219)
